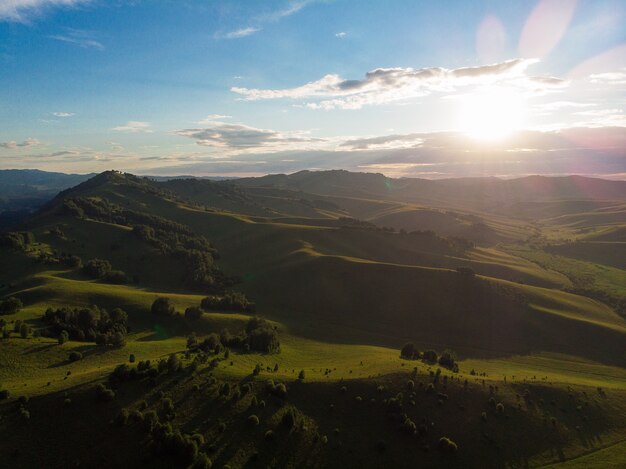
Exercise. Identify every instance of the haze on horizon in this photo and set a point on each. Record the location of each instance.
(234, 88)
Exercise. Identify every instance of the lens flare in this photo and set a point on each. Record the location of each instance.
(491, 113)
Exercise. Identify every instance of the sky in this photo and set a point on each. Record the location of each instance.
(243, 88)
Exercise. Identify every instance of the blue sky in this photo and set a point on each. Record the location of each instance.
(408, 88)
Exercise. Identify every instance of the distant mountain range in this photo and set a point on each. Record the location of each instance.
(22, 191)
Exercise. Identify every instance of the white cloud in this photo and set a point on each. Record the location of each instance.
(80, 38)
(134, 127)
(63, 114)
(238, 33)
(12, 144)
(341, 34)
(23, 10)
(385, 85)
(211, 118)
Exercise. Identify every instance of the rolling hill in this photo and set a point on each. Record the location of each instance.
(347, 268)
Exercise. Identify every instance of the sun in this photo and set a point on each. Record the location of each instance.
(491, 113)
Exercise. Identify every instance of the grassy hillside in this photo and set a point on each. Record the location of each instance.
(342, 295)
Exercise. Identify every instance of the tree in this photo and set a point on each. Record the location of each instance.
(63, 337)
(97, 268)
(430, 356)
(162, 307)
(408, 351)
(119, 315)
(11, 305)
(118, 339)
(193, 313)
(173, 363)
(448, 359)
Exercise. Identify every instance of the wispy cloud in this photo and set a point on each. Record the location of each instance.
(384, 142)
(264, 18)
(385, 85)
(80, 38)
(609, 78)
(241, 138)
(290, 9)
(341, 34)
(63, 114)
(12, 144)
(134, 127)
(23, 10)
(239, 33)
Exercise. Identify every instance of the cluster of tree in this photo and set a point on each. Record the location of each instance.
(102, 269)
(230, 301)
(88, 325)
(181, 447)
(145, 369)
(11, 305)
(447, 359)
(69, 260)
(259, 335)
(170, 238)
(17, 239)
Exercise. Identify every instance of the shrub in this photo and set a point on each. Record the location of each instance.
(500, 408)
(446, 445)
(253, 420)
(75, 356)
(301, 375)
(4, 394)
(269, 435)
(410, 385)
(24, 330)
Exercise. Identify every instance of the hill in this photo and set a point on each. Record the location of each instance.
(540, 374)
(24, 190)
